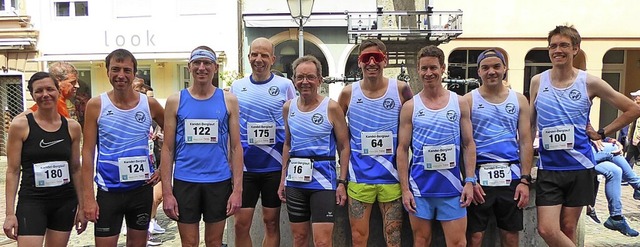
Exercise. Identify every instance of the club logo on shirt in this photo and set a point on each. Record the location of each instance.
(109, 113)
(274, 91)
(388, 103)
(546, 89)
(452, 115)
(510, 108)
(293, 114)
(244, 89)
(359, 101)
(420, 113)
(140, 117)
(317, 119)
(575, 94)
(480, 106)
(44, 144)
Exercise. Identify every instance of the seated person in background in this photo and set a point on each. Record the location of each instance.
(615, 168)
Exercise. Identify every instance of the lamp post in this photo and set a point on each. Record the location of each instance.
(300, 11)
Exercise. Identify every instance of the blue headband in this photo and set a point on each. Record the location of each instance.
(201, 53)
(491, 53)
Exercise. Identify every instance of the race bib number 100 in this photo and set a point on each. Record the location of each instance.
(51, 174)
(439, 157)
(558, 137)
(201, 130)
(377, 143)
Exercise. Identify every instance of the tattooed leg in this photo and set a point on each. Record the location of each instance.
(392, 220)
(359, 213)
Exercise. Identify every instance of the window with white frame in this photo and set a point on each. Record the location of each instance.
(71, 8)
(8, 5)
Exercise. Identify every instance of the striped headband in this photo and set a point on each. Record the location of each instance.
(201, 53)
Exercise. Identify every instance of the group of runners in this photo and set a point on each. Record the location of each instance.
(459, 160)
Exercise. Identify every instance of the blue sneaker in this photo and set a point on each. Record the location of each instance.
(636, 194)
(621, 226)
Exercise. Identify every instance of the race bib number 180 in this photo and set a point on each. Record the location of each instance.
(51, 174)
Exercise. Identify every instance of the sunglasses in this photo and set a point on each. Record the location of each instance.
(378, 57)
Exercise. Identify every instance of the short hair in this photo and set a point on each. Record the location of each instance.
(39, 76)
(568, 31)
(372, 42)
(120, 55)
(307, 59)
(277, 72)
(61, 70)
(431, 51)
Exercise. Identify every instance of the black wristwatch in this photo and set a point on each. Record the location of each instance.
(601, 133)
(527, 178)
(343, 181)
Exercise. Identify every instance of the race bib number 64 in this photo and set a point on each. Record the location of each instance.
(377, 143)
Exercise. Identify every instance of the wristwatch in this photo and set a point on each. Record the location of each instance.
(471, 180)
(343, 181)
(601, 133)
(527, 178)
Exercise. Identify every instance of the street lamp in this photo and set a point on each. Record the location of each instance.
(300, 11)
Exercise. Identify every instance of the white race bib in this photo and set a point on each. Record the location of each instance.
(300, 170)
(439, 157)
(134, 168)
(377, 143)
(201, 130)
(261, 133)
(495, 174)
(558, 137)
(51, 174)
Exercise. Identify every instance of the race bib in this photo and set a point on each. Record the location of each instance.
(439, 157)
(495, 174)
(201, 130)
(51, 174)
(261, 133)
(558, 137)
(134, 168)
(377, 143)
(300, 170)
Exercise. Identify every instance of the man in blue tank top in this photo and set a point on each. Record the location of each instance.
(504, 152)
(437, 127)
(200, 122)
(560, 105)
(372, 107)
(117, 123)
(261, 97)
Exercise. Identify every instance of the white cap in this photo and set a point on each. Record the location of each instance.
(636, 93)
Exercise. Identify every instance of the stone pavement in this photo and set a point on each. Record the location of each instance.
(596, 235)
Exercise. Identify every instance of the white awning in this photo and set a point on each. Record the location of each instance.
(16, 43)
(285, 20)
(102, 56)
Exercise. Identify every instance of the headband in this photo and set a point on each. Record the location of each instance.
(201, 53)
(491, 53)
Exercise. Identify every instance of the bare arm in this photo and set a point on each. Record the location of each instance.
(533, 93)
(75, 131)
(169, 204)
(336, 116)
(525, 138)
(468, 150)
(630, 110)
(402, 155)
(18, 131)
(405, 91)
(345, 98)
(236, 152)
(90, 134)
(286, 147)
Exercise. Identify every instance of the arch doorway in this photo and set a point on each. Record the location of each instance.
(286, 52)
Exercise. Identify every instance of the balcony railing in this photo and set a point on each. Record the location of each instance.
(435, 26)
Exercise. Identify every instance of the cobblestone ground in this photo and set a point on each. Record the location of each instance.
(596, 234)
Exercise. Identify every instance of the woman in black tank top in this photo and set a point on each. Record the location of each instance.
(45, 147)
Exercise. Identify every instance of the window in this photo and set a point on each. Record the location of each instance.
(7, 5)
(144, 73)
(535, 62)
(77, 8)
